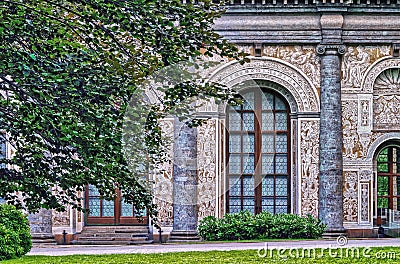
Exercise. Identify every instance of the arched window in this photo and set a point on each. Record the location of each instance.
(258, 168)
(388, 186)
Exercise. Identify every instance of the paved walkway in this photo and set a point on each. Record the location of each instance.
(163, 248)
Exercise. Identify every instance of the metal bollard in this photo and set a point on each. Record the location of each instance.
(64, 237)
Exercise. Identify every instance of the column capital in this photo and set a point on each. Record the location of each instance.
(323, 49)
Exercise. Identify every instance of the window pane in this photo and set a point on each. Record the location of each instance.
(248, 121)
(383, 167)
(234, 143)
(281, 143)
(234, 186)
(126, 209)
(248, 143)
(281, 121)
(248, 103)
(383, 185)
(281, 164)
(267, 101)
(281, 205)
(267, 121)
(267, 143)
(234, 205)
(383, 155)
(383, 202)
(234, 163)
(108, 208)
(268, 186)
(281, 186)
(248, 186)
(267, 164)
(94, 206)
(248, 204)
(234, 121)
(248, 164)
(268, 205)
(279, 104)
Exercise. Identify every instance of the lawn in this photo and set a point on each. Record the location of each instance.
(341, 255)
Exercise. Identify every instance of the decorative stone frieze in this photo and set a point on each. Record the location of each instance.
(309, 150)
(350, 196)
(206, 168)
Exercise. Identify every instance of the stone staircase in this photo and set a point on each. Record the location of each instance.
(113, 235)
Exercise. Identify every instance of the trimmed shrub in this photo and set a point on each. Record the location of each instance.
(245, 225)
(15, 233)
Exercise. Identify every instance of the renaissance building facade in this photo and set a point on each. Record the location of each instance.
(318, 133)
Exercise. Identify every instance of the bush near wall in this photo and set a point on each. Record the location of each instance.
(245, 225)
(15, 235)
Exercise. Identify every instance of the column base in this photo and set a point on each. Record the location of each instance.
(183, 236)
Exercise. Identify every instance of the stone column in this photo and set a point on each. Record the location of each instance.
(185, 182)
(331, 136)
(41, 226)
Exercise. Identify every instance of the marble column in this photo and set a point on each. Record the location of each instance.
(331, 140)
(41, 226)
(185, 182)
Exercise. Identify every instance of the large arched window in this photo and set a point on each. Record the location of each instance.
(258, 168)
(388, 186)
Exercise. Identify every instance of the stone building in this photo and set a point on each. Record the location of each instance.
(319, 132)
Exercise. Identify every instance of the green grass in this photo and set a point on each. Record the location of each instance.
(215, 257)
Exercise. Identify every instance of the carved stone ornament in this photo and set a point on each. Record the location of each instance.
(321, 49)
(365, 175)
(309, 151)
(206, 168)
(350, 196)
(364, 208)
(303, 58)
(61, 218)
(371, 75)
(233, 74)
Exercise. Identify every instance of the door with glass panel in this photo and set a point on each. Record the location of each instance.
(388, 186)
(115, 212)
(258, 154)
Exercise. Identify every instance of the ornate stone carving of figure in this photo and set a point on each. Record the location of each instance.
(356, 62)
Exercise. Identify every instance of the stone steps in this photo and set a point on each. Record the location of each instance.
(113, 235)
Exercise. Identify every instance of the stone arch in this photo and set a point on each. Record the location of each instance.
(293, 83)
(367, 84)
(372, 150)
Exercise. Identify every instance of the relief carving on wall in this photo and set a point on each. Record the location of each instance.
(206, 168)
(163, 180)
(309, 151)
(387, 100)
(61, 218)
(356, 62)
(350, 196)
(349, 124)
(303, 58)
(235, 74)
(364, 212)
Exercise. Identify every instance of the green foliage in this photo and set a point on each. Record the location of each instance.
(15, 236)
(244, 225)
(67, 72)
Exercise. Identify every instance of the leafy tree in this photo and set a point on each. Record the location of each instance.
(67, 71)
